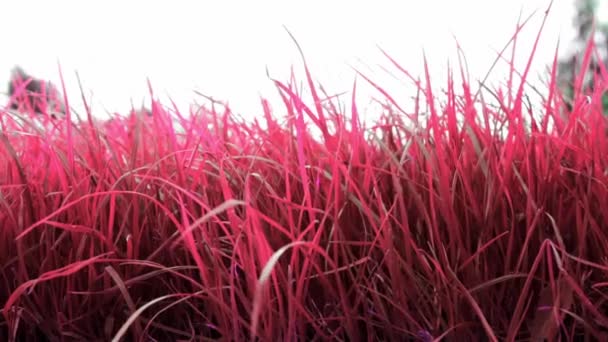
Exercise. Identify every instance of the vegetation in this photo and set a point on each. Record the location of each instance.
(476, 222)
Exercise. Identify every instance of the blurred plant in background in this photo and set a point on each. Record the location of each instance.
(588, 26)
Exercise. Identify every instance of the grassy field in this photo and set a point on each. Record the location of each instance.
(469, 217)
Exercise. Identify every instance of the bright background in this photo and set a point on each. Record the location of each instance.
(222, 48)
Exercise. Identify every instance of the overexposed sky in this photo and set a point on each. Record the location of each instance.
(222, 48)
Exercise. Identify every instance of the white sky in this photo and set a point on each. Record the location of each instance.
(222, 48)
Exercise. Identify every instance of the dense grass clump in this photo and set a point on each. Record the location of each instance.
(482, 222)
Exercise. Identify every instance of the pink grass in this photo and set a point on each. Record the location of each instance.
(200, 227)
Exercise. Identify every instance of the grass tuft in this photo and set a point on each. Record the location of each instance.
(465, 218)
